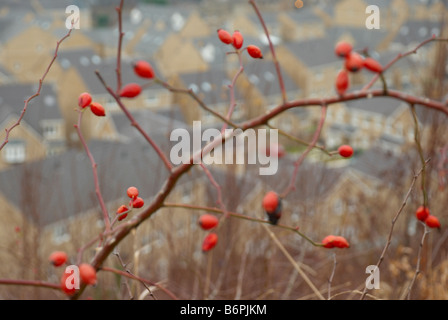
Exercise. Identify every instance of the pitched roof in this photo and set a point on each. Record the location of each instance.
(42, 107)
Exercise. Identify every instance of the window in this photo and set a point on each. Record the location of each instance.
(14, 151)
(50, 130)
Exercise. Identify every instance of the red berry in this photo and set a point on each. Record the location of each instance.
(354, 62)
(340, 242)
(342, 81)
(345, 151)
(120, 212)
(373, 65)
(68, 291)
(225, 36)
(97, 109)
(143, 69)
(432, 222)
(272, 204)
(208, 221)
(58, 258)
(254, 52)
(84, 100)
(87, 274)
(209, 242)
(328, 241)
(422, 213)
(138, 203)
(132, 192)
(343, 49)
(237, 40)
(270, 201)
(130, 90)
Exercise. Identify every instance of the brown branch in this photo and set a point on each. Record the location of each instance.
(32, 283)
(120, 43)
(135, 124)
(271, 47)
(193, 95)
(419, 259)
(394, 220)
(241, 216)
(397, 58)
(41, 81)
(302, 157)
(94, 165)
(134, 277)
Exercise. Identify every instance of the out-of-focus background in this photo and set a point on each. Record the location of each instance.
(47, 196)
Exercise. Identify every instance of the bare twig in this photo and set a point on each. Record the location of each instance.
(271, 47)
(135, 124)
(419, 259)
(294, 263)
(41, 81)
(94, 165)
(394, 220)
(302, 157)
(330, 280)
(131, 276)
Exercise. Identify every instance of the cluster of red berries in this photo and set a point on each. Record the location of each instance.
(353, 62)
(423, 214)
(236, 40)
(85, 100)
(135, 202)
(207, 222)
(87, 273)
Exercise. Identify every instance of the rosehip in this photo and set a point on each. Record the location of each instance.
(354, 62)
(208, 221)
(132, 192)
(84, 100)
(422, 213)
(225, 36)
(340, 242)
(143, 69)
(272, 204)
(237, 40)
(68, 291)
(58, 258)
(343, 49)
(138, 203)
(345, 151)
(130, 90)
(254, 52)
(97, 109)
(209, 242)
(432, 222)
(373, 65)
(120, 212)
(328, 241)
(342, 81)
(87, 273)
